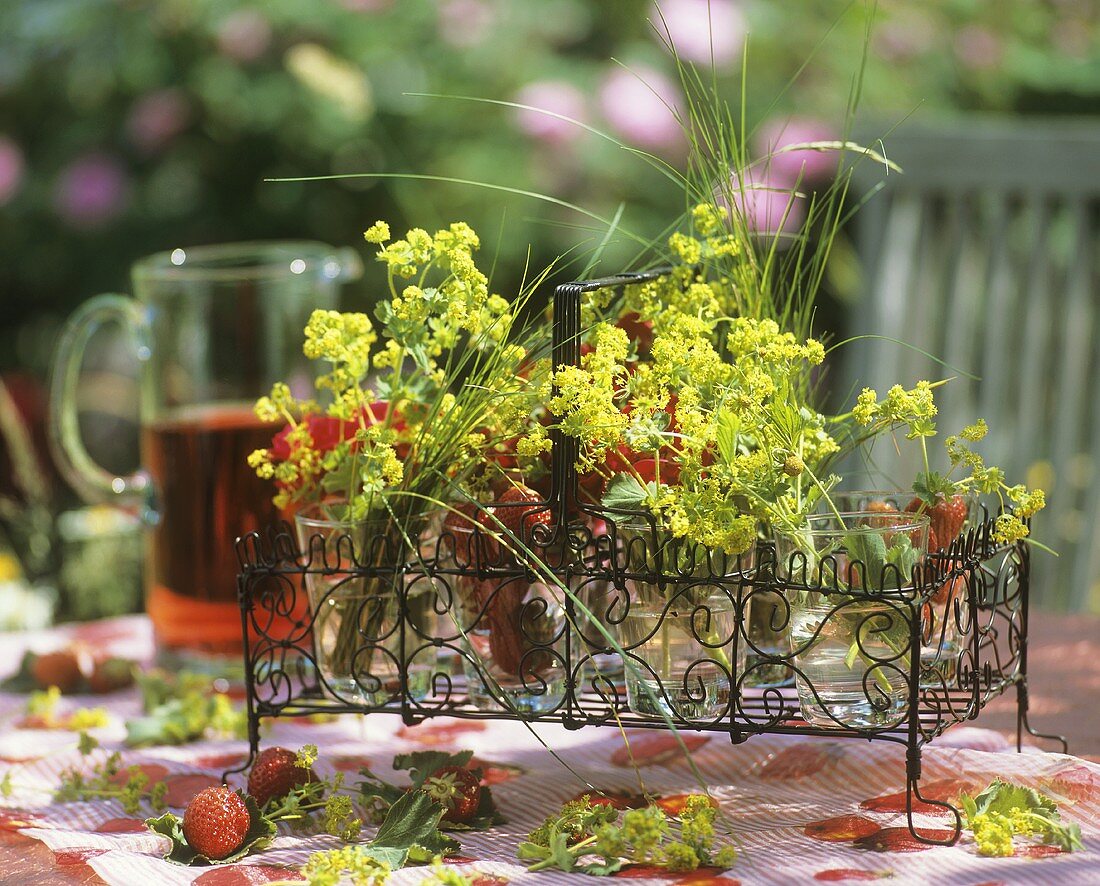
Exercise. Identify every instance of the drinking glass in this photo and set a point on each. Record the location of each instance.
(213, 328)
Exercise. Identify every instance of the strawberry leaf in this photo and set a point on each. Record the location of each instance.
(410, 830)
(424, 764)
(421, 766)
(260, 834)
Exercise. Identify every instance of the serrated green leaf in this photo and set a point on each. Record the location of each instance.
(726, 435)
(390, 855)
(413, 821)
(869, 548)
(423, 764)
(624, 493)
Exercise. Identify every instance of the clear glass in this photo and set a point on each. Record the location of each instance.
(683, 655)
(851, 625)
(366, 651)
(213, 328)
(940, 632)
(768, 627)
(836, 688)
(516, 648)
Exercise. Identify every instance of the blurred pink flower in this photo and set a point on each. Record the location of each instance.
(637, 105)
(761, 201)
(904, 36)
(91, 191)
(158, 117)
(977, 48)
(11, 169)
(787, 166)
(465, 23)
(245, 35)
(695, 26)
(555, 96)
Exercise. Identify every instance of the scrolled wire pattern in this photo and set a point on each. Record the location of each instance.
(562, 609)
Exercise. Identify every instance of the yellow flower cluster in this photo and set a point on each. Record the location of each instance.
(422, 436)
(916, 409)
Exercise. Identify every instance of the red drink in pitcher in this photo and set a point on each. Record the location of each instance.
(213, 328)
(206, 496)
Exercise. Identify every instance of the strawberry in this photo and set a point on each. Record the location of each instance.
(60, 669)
(521, 521)
(947, 515)
(275, 774)
(216, 822)
(458, 790)
(110, 675)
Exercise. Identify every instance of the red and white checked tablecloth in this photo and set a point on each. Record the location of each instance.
(771, 788)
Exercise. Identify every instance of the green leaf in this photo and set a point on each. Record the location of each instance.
(261, 832)
(624, 493)
(389, 855)
(903, 555)
(528, 851)
(728, 426)
(869, 548)
(424, 764)
(413, 821)
(559, 851)
(1002, 797)
(602, 868)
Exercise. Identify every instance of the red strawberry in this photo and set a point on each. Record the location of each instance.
(110, 675)
(521, 521)
(216, 822)
(951, 589)
(60, 669)
(879, 507)
(275, 774)
(947, 516)
(458, 790)
(458, 533)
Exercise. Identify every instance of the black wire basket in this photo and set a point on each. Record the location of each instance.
(594, 618)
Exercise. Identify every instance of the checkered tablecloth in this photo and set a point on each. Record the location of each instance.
(770, 789)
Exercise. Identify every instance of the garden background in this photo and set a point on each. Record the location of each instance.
(133, 126)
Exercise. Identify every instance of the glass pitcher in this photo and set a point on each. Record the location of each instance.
(213, 328)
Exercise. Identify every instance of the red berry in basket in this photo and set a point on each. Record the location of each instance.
(947, 518)
(521, 521)
(110, 675)
(60, 669)
(216, 822)
(458, 790)
(275, 774)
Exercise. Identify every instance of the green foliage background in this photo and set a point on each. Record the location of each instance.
(240, 101)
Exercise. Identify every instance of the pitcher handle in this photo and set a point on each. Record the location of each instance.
(93, 482)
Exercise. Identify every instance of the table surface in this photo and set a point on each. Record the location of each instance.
(1064, 664)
